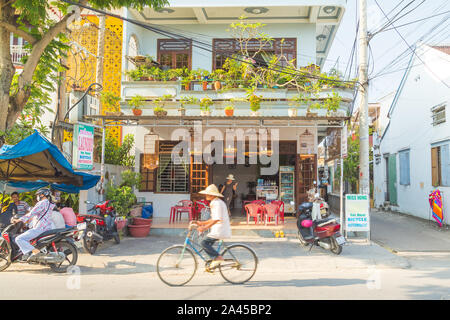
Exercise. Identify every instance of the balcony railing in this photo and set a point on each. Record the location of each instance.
(17, 52)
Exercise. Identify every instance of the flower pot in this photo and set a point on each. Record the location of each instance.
(205, 113)
(187, 87)
(143, 78)
(139, 231)
(292, 112)
(254, 113)
(160, 113)
(141, 221)
(182, 112)
(205, 85)
(137, 112)
(229, 112)
(120, 223)
(311, 114)
(217, 85)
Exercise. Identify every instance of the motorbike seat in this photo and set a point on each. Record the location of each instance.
(324, 221)
(305, 206)
(53, 231)
(95, 216)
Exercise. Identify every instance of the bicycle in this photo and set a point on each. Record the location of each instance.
(177, 265)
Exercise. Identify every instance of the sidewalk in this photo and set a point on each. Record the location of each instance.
(402, 233)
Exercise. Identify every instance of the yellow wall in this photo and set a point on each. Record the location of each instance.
(82, 68)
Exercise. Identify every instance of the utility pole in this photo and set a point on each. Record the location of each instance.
(99, 79)
(364, 175)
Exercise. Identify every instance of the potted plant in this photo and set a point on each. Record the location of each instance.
(229, 110)
(332, 103)
(160, 103)
(110, 102)
(184, 101)
(136, 103)
(186, 79)
(297, 102)
(255, 103)
(218, 75)
(205, 106)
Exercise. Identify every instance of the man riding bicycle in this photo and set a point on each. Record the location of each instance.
(219, 223)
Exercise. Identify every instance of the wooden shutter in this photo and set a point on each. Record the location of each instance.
(173, 53)
(435, 167)
(148, 177)
(199, 178)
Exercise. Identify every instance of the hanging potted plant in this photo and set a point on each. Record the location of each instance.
(110, 102)
(205, 106)
(136, 103)
(159, 111)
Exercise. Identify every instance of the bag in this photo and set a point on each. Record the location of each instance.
(147, 212)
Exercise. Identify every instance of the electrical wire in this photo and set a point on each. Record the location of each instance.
(206, 46)
(412, 49)
(415, 21)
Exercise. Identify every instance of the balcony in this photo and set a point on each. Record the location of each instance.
(325, 96)
(17, 52)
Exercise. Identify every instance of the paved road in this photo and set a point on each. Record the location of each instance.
(286, 271)
(403, 233)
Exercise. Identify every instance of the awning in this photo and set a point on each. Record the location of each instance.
(35, 162)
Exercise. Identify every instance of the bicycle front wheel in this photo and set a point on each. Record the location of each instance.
(176, 265)
(240, 264)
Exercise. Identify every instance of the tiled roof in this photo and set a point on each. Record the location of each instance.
(445, 49)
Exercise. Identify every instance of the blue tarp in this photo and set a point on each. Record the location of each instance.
(35, 144)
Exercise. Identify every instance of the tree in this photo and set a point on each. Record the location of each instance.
(32, 20)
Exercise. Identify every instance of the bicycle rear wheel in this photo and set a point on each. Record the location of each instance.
(176, 265)
(240, 264)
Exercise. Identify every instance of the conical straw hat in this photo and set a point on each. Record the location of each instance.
(212, 191)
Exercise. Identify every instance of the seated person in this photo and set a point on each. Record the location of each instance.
(69, 216)
(8, 212)
(57, 219)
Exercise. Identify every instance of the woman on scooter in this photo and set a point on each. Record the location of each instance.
(42, 213)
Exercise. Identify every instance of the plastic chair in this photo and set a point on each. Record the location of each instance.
(181, 207)
(260, 202)
(199, 205)
(280, 205)
(253, 210)
(270, 211)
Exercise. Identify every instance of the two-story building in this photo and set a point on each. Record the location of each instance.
(195, 36)
(411, 157)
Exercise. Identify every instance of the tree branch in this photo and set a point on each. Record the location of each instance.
(18, 32)
(26, 77)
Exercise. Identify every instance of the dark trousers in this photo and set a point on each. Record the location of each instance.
(207, 244)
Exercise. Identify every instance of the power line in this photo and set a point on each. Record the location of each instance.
(411, 48)
(206, 46)
(393, 21)
(415, 21)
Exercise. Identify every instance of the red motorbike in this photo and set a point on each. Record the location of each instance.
(102, 225)
(324, 233)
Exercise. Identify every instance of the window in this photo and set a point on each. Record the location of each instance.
(440, 165)
(174, 54)
(438, 114)
(171, 177)
(405, 179)
(224, 48)
(148, 177)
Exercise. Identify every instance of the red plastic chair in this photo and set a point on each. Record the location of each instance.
(253, 210)
(260, 202)
(280, 205)
(271, 211)
(199, 205)
(181, 207)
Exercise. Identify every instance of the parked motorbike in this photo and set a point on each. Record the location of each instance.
(318, 232)
(57, 246)
(101, 225)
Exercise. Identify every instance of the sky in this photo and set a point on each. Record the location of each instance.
(388, 45)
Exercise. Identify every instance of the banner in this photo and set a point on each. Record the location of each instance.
(344, 142)
(83, 147)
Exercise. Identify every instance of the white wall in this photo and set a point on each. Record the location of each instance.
(304, 32)
(411, 127)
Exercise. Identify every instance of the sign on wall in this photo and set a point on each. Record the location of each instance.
(83, 147)
(357, 212)
(344, 142)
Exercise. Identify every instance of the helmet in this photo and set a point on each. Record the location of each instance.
(44, 192)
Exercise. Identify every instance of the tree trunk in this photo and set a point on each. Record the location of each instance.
(6, 67)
